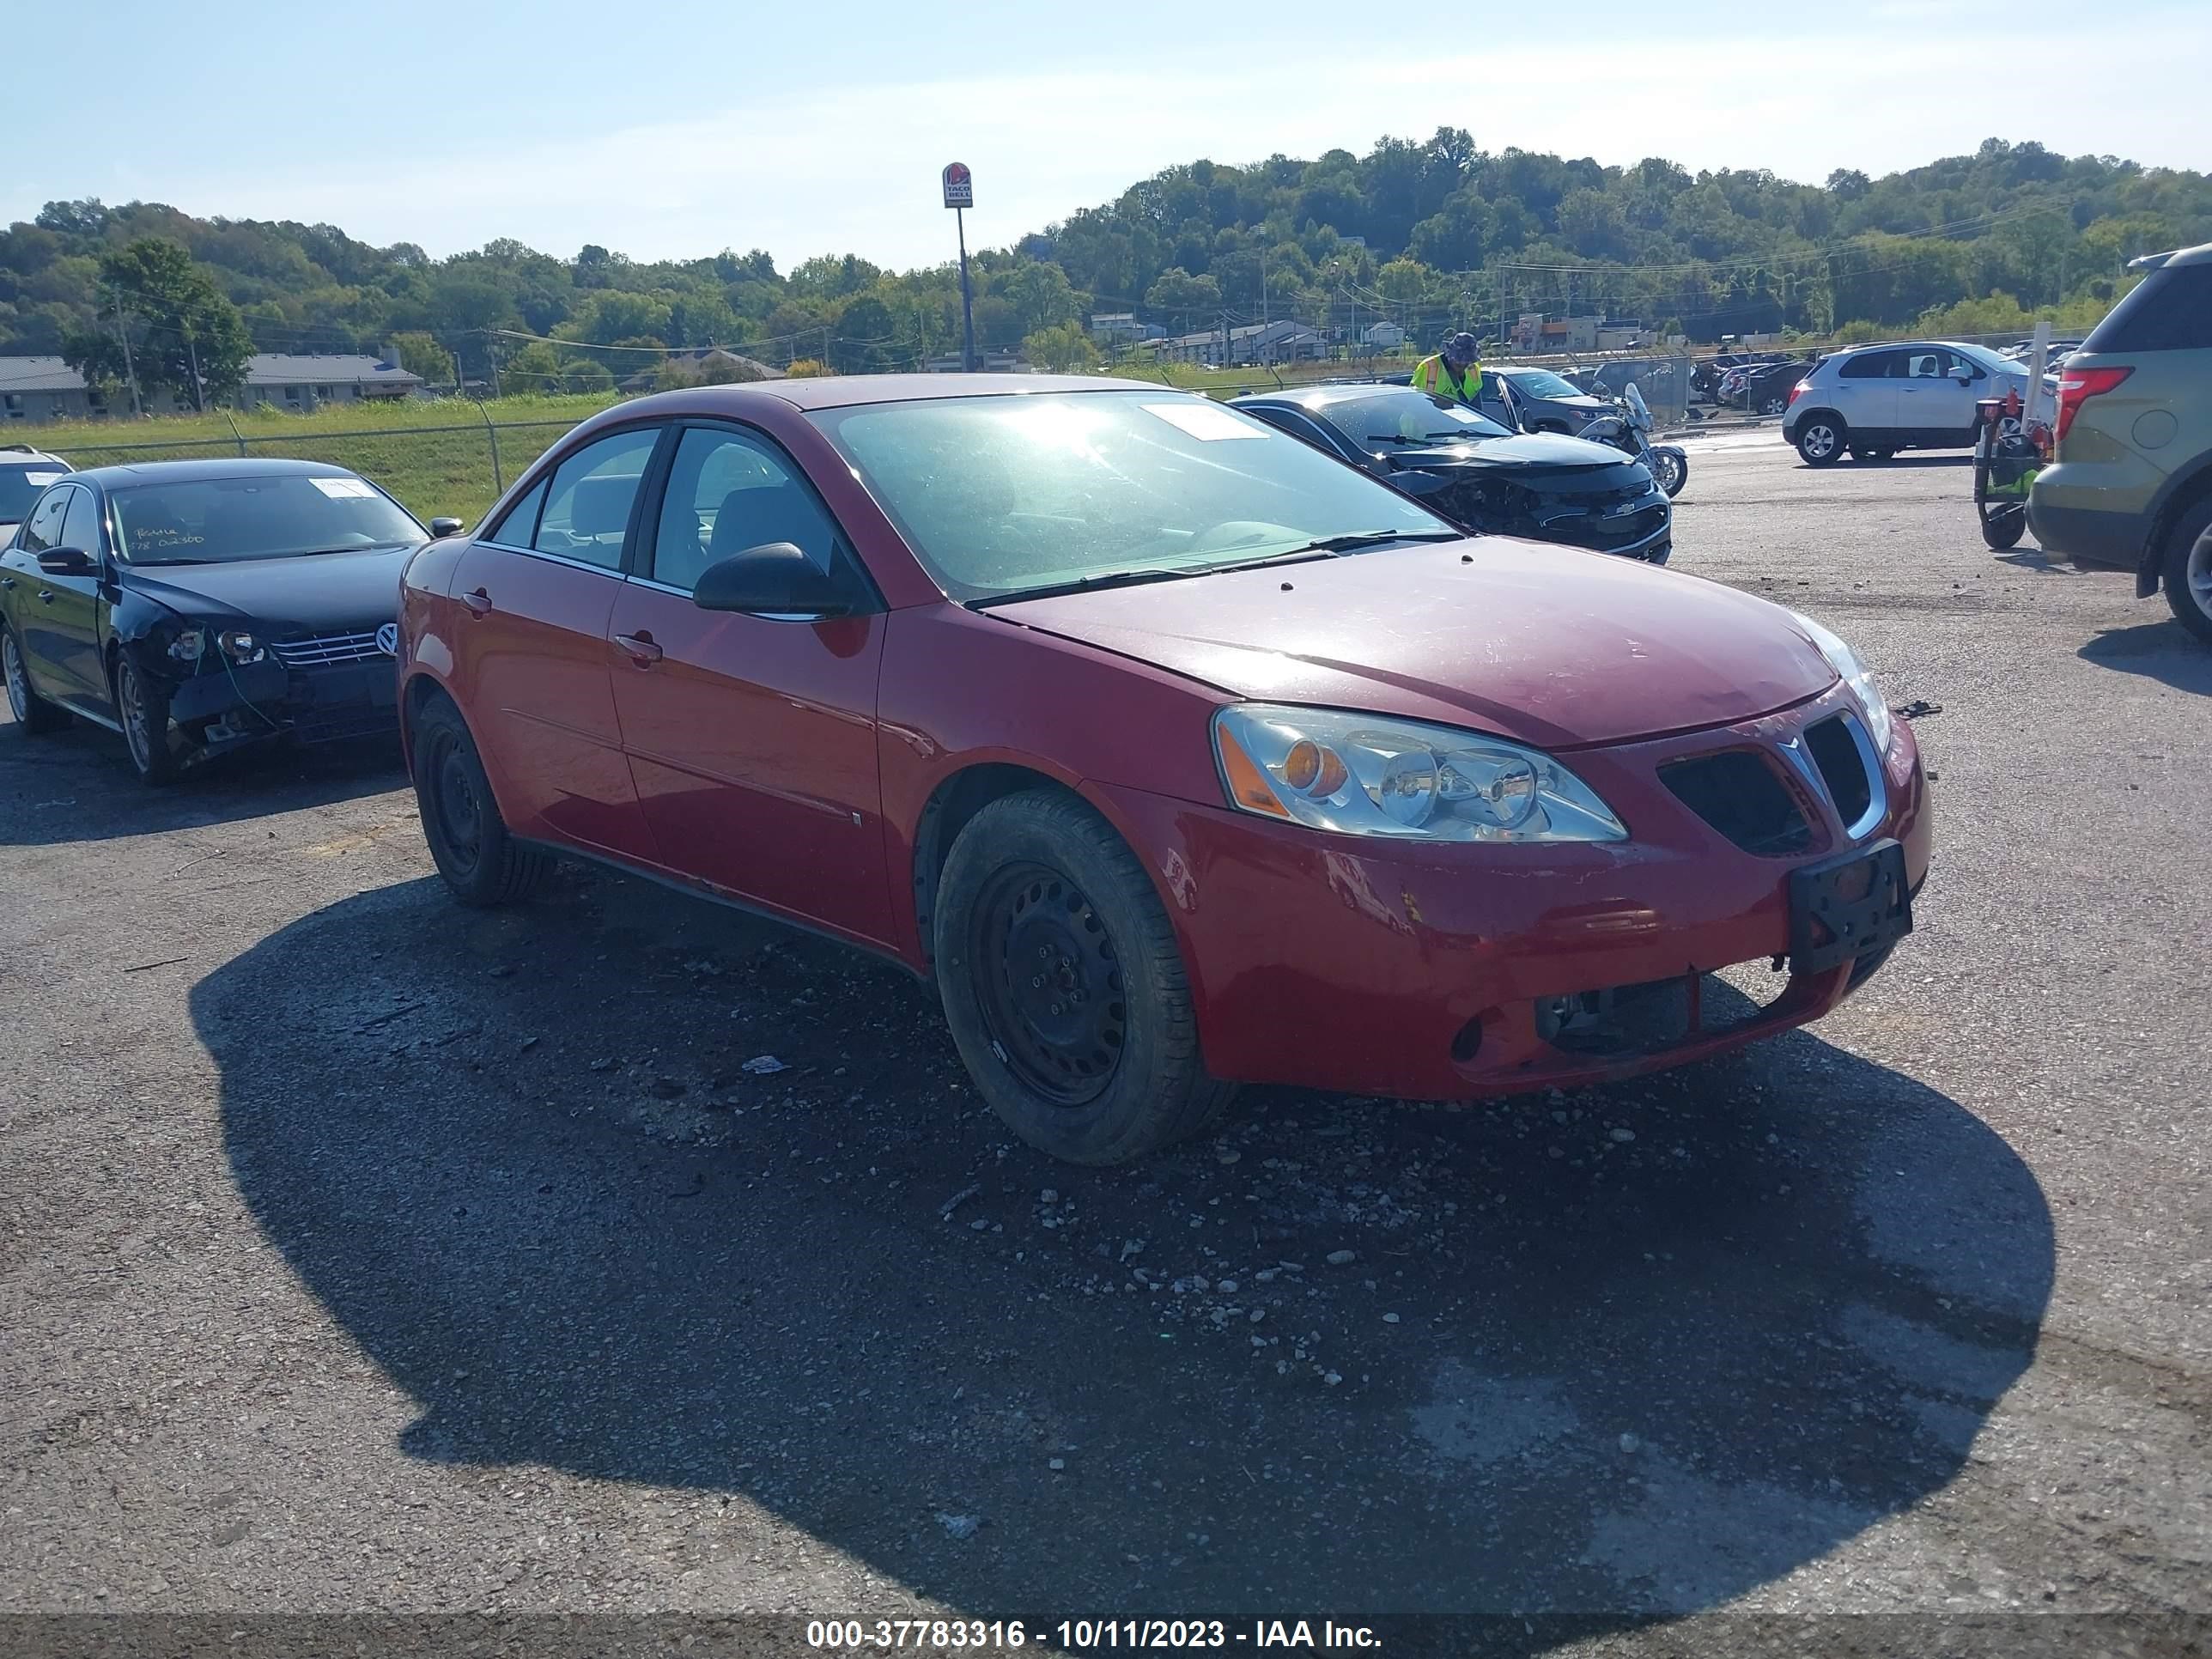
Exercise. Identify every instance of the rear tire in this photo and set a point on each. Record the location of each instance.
(2188, 570)
(31, 711)
(1821, 438)
(1063, 986)
(482, 864)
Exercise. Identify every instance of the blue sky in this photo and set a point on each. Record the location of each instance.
(676, 127)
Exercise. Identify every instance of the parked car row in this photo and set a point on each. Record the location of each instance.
(1174, 751)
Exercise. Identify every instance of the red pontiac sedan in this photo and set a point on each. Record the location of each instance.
(1175, 753)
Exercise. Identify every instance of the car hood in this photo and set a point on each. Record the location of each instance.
(1547, 645)
(1523, 449)
(327, 590)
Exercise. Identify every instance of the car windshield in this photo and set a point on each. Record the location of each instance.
(1001, 495)
(1408, 416)
(266, 516)
(1542, 383)
(20, 487)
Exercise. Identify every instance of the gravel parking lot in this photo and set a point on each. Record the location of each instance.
(361, 1253)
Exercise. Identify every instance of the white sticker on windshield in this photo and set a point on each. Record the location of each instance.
(40, 480)
(344, 489)
(1464, 416)
(1207, 421)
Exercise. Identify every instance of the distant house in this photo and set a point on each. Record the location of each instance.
(34, 389)
(1384, 337)
(713, 365)
(1283, 341)
(1111, 328)
(988, 361)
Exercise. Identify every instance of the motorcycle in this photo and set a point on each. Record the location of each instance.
(1628, 429)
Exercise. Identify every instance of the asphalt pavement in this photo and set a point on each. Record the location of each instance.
(620, 1255)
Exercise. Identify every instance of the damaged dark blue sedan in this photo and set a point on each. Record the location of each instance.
(199, 606)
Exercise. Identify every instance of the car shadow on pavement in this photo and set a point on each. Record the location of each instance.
(77, 785)
(625, 1186)
(2162, 650)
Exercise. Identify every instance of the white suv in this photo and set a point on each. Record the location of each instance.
(1875, 400)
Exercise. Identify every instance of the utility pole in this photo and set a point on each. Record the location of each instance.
(199, 387)
(131, 374)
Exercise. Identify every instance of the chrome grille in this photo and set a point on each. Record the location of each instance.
(321, 653)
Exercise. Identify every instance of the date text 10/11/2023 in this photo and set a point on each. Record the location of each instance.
(1081, 1635)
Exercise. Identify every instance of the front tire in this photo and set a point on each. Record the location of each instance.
(2188, 571)
(482, 864)
(1821, 440)
(1672, 467)
(142, 709)
(31, 711)
(1063, 986)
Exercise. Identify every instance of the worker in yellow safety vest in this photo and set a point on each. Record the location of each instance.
(1453, 372)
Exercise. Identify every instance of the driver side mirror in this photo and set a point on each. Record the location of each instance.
(442, 528)
(65, 561)
(776, 578)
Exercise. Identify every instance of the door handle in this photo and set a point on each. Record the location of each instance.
(640, 648)
(46, 596)
(8, 582)
(479, 603)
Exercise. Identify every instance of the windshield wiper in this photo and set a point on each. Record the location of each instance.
(1426, 438)
(1375, 539)
(1305, 554)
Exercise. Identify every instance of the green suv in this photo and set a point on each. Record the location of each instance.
(2132, 482)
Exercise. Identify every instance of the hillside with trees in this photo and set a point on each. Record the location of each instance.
(1429, 233)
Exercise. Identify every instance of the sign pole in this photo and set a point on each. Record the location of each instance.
(960, 196)
(967, 297)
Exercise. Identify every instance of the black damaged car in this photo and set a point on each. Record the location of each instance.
(1479, 474)
(198, 606)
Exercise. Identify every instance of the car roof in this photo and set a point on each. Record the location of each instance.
(2199, 255)
(850, 390)
(234, 466)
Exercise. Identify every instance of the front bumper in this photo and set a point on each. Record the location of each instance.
(253, 703)
(1435, 972)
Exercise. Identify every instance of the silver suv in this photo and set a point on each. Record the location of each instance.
(1872, 401)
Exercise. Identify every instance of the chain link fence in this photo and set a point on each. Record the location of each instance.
(459, 468)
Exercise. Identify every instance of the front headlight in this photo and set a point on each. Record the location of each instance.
(1853, 673)
(185, 645)
(1367, 775)
(241, 646)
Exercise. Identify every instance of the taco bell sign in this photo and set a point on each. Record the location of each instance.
(959, 186)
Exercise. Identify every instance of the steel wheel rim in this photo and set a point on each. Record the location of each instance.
(2198, 575)
(453, 799)
(19, 686)
(1049, 984)
(132, 696)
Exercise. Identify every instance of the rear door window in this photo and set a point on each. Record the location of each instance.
(587, 504)
(43, 529)
(1873, 366)
(2170, 310)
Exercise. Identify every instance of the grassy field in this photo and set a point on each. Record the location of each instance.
(435, 456)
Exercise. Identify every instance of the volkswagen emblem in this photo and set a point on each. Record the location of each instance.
(387, 639)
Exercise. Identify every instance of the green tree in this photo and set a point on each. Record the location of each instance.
(1186, 298)
(1063, 349)
(185, 336)
(421, 354)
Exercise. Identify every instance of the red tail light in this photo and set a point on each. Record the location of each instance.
(1798, 390)
(2077, 385)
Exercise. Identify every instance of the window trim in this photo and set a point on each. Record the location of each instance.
(845, 557)
(544, 484)
(59, 490)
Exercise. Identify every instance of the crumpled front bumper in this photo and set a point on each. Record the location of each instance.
(251, 703)
(1429, 971)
